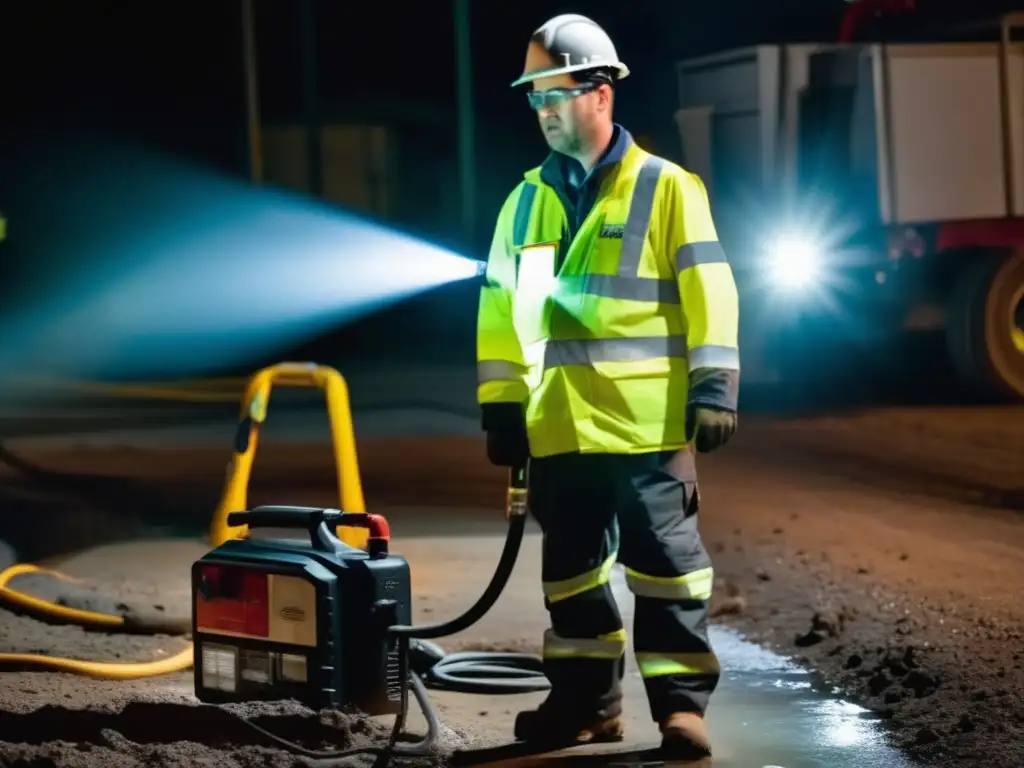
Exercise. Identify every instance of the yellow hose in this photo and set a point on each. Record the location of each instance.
(124, 670)
(61, 613)
(130, 670)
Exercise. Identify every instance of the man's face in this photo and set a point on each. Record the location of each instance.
(567, 123)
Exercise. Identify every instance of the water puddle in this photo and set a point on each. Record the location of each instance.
(766, 714)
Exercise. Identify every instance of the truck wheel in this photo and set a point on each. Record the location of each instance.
(985, 335)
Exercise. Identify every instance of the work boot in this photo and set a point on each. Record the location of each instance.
(684, 736)
(551, 726)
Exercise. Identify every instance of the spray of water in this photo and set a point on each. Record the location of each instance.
(154, 265)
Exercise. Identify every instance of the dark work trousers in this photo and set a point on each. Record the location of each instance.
(577, 500)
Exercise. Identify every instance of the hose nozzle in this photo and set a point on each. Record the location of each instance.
(516, 505)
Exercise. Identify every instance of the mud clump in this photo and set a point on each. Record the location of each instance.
(727, 599)
(825, 624)
(925, 736)
(897, 666)
(921, 683)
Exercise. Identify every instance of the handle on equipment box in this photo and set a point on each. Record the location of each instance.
(319, 522)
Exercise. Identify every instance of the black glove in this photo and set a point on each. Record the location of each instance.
(711, 418)
(507, 442)
(710, 428)
(508, 448)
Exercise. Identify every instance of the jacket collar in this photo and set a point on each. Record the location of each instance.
(560, 170)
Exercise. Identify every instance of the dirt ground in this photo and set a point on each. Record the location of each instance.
(901, 591)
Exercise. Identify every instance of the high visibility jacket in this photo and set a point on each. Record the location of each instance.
(597, 337)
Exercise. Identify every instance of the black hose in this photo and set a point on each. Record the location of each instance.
(487, 672)
(502, 572)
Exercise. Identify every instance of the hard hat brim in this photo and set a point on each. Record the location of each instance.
(621, 69)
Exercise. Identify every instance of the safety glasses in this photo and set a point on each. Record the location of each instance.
(555, 96)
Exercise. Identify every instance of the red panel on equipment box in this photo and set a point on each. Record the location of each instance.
(233, 600)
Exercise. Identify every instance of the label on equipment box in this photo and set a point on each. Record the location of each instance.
(238, 602)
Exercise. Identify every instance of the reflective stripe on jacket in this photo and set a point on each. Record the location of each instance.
(598, 336)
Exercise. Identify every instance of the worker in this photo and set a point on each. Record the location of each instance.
(607, 356)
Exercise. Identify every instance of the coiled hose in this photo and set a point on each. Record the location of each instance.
(483, 672)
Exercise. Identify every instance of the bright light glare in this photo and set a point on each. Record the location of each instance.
(793, 262)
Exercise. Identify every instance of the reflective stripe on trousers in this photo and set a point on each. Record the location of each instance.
(690, 586)
(653, 664)
(556, 591)
(610, 646)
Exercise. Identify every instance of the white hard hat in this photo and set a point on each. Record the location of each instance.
(570, 43)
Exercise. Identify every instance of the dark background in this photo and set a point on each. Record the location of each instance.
(171, 72)
(170, 75)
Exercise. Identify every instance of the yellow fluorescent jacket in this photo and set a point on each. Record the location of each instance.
(600, 351)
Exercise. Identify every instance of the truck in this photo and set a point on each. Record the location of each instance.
(870, 194)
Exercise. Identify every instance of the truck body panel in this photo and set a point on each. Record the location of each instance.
(948, 124)
(866, 192)
(898, 134)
